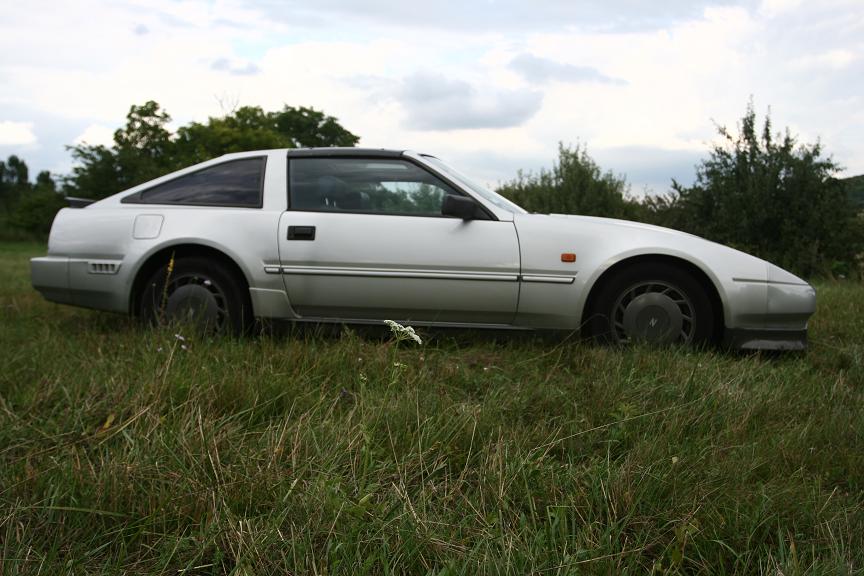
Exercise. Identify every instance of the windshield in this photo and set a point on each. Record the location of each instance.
(478, 189)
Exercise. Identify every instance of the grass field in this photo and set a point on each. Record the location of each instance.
(129, 450)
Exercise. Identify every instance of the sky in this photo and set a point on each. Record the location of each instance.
(490, 86)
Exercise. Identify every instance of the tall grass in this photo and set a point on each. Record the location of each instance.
(129, 450)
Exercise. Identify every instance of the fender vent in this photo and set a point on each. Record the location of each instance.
(103, 267)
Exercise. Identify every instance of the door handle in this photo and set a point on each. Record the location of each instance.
(301, 232)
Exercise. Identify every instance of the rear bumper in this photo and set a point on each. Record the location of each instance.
(756, 339)
(50, 277)
(79, 282)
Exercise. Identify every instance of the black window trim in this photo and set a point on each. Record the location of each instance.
(136, 197)
(488, 215)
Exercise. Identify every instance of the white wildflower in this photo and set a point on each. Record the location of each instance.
(180, 337)
(403, 332)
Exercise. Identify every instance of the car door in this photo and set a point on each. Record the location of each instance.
(364, 238)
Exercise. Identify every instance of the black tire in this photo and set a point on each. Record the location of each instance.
(200, 292)
(652, 302)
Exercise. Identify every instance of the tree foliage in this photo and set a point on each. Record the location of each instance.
(768, 195)
(26, 209)
(855, 190)
(145, 148)
(574, 185)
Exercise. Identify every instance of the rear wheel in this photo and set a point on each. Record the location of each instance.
(654, 303)
(198, 292)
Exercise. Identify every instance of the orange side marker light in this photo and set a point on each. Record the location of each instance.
(568, 257)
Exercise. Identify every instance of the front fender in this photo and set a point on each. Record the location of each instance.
(601, 244)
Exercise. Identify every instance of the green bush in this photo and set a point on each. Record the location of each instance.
(574, 185)
(768, 195)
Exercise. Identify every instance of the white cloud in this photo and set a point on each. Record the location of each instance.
(833, 59)
(237, 68)
(677, 80)
(473, 17)
(773, 8)
(403, 81)
(542, 70)
(16, 133)
(96, 135)
(435, 102)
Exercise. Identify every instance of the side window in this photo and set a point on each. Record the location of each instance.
(235, 183)
(374, 186)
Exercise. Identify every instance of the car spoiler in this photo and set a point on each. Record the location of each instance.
(79, 202)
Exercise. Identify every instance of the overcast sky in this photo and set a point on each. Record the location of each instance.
(491, 86)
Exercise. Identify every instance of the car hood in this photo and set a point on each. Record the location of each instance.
(604, 241)
(619, 224)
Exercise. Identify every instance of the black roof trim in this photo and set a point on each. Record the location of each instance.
(343, 152)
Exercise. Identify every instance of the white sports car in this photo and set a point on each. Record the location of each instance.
(357, 235)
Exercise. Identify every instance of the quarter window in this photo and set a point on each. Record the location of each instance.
(374, 186)
(235, 183)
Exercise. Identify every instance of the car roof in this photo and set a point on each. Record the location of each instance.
(348, 152)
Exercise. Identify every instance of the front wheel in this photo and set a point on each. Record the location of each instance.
(198, 292)
(654, 303)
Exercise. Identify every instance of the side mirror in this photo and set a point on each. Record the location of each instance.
(458, 206)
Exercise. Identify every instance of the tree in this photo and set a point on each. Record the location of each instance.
(855, 190)
(248, 128)
(768, 195)
(307, 127)
(142, 150)
(35, 210)
(251, 128)
(145, 149)
(574, 185)
(27, 209)
(14, 180)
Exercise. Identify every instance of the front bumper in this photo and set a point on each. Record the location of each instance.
(781, 322)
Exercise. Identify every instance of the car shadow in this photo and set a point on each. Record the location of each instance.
(437, 335)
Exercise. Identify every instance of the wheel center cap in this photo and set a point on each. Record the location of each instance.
(653, 318)
(193, 304)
